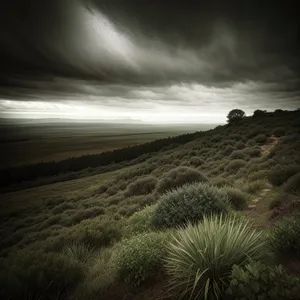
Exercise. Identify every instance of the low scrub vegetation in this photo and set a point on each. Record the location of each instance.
(279, 174)
(285, 237)
(259, 281)
(235, 165)
(180, 211)
(143, 186)
(189, 204)
(178, 177)
(140, 257)
(236, 197)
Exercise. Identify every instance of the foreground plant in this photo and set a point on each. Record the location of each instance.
(200, 258)
(259, 281)
(78, 251)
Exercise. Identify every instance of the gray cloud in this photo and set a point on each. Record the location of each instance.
(150, 55)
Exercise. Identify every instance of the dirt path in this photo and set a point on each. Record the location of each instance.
(258, 208)
(271, 142)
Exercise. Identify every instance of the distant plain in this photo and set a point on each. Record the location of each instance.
(27, 143)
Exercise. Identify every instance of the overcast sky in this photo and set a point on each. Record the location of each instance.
(155, 61)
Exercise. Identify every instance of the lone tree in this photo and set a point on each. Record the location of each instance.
(235, 115)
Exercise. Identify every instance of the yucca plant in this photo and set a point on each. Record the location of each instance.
(78, 251)
(200, 257)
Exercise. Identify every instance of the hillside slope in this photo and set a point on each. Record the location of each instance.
(255, 156)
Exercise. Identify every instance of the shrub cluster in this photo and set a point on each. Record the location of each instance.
(235, 165)
(292, 186)
(259, 281)
(260, 139)
(279, 174)
(142, 186)
(39, 275)
(285, 237)
(178, 177)
(140, 257)
(237, 198)
(189, 203)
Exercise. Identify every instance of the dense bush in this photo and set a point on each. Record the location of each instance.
(200, 257)
(228, 150)
(285, 237)
(278, 200)
(142, 186)
(279, 131)
(258, 175)
(238, 154)
(189, 203)
(261, 138)
(219, 182)
(140, 257)
(252, 151)
(293, 185)
(279, 174)
(237, 198)
(100, 279)
(235, 165)
(240, 145)
(285, 205)
(178, 177)
(258, 281)
(253, 187)
(196, 161)
(39, 275)
(140, 221)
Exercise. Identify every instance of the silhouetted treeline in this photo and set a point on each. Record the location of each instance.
(30, 172)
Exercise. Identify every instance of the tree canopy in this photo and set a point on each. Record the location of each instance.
(235, 115)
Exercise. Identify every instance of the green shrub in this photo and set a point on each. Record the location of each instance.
(238, 154)
(277, 201)
(189, 203)
(284, 205)
(258, 175)
(260, 139)
(39, 275)
(240, 145)
(87, 213)
(279, 174)
(80, 252)
(228, 150)
(237, 198)
(99, 235)
(178, 177)
(285, 237)
(252, 151)
(292, 186)
(142, 186)
(140, 257)
(196, 161)
(200, 257)
(219, 182)
(101, 278)
(102, 189)
(185, 163)
(279, 131)
(258, 281)
(235, 165)
(253, 187)
(140, 221)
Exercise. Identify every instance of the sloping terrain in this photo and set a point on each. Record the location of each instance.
(100, 210)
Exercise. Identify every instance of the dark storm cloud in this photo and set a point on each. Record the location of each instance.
(150, 50)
